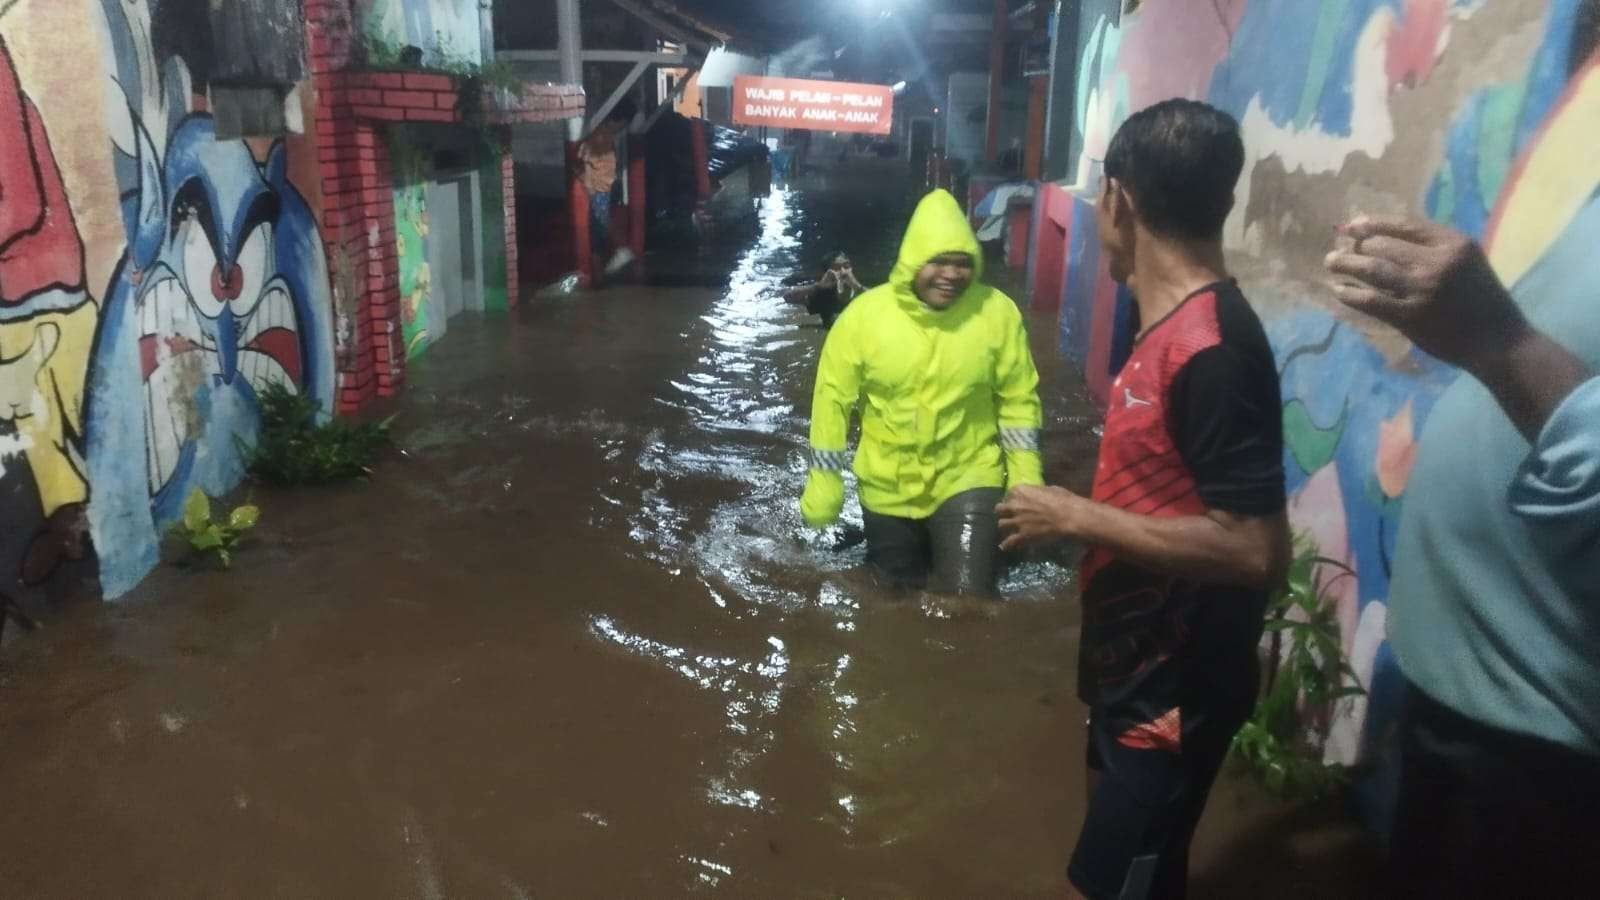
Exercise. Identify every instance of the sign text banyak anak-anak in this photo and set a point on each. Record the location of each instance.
(813, 105)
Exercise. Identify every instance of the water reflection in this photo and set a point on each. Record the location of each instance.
(716, 498)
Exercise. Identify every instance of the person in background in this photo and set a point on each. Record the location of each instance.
(802, 151)
(781, 158)
(1186, 526)
(598, 155)
(1494, 614)
(760, 176)
(939, 365)
(831, 292)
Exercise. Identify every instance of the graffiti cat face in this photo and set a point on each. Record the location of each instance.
(228, 301)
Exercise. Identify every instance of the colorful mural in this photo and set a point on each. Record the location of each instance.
(47, 322)
(1482, 113)
(215, 288)
(416, 276)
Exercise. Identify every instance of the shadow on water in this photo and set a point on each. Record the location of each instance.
(576, 641)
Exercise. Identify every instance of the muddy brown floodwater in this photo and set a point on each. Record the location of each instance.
(575, 641)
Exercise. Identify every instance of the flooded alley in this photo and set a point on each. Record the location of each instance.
(573, 639)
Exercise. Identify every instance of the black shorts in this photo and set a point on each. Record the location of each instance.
(1155, 774)
(1487, 813)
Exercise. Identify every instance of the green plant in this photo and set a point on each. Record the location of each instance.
(295, 448)
(476, 82)
(218, 539)
(377, 51)
(1307, 673)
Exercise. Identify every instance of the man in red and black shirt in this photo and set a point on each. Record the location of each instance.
(1186, 523)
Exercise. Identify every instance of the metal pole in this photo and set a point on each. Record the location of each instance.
(1063, 72)
(997, 66)
(569, 41)
(486, 29)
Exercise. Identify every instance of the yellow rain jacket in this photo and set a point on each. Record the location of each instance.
(949, 399)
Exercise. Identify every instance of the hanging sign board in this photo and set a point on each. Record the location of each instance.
(813, 105)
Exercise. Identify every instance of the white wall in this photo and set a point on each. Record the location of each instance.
(722, 66)
(448, 27)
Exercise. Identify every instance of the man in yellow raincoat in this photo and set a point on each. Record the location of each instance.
(939, 364)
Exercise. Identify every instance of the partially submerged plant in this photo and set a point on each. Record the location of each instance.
(213, 538)
(295, 448)
(1307, 673)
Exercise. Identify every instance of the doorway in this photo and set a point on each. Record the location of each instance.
(455, 248)
(921, 144)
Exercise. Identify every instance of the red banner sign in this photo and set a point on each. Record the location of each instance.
(813, 105)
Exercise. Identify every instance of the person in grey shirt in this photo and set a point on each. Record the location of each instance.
(1495, 596)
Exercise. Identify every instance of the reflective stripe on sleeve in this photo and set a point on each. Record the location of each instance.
(830, 460)
(1025, 439)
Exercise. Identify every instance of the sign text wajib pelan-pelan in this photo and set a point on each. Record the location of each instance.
(813, 105)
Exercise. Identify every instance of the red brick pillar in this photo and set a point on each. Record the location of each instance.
(508, 194)
(1038, 109)
(329, 33)
(357, 214)
(1019, 225)
(578, 212)
(636, 197)
(701, 156)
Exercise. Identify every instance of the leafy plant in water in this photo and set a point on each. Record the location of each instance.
(1307, 673)
(213, 538)
(294, 448)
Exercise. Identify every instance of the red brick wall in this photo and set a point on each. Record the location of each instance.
(401, 96)
(358, 206)
(357, 186)
(508, 196)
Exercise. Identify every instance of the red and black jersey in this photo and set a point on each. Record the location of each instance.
(1194, 423)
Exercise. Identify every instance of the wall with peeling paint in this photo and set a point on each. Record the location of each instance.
(1479, 113)
(153, 278)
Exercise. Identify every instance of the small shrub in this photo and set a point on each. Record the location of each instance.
(211, 538)
(473, 77)
(1307, 673)
(294, 449)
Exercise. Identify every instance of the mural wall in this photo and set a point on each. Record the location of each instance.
(1480, 113)
(153, 279)
(411, 242)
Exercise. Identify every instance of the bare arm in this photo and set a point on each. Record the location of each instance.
(1437, 288)
(1216, 548)
(799, 294)
(1530, 375)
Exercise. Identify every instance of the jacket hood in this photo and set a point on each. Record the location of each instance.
(937, 227)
